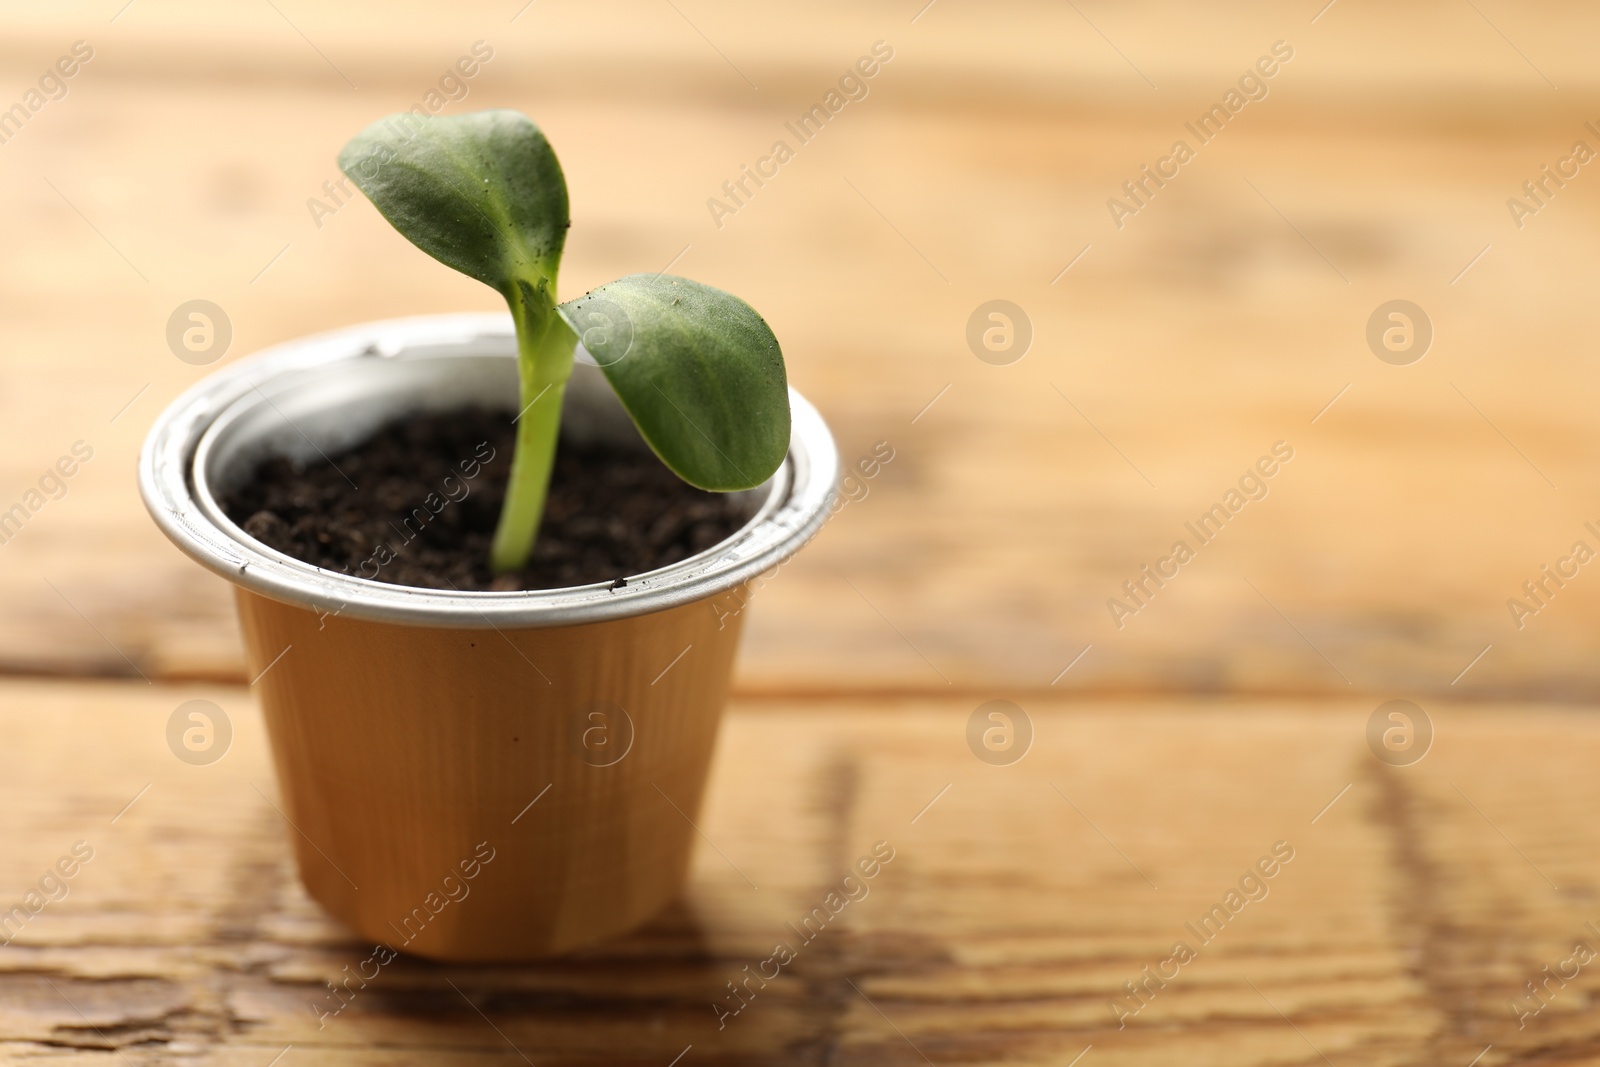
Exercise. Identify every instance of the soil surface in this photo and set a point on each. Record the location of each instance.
(416, 504)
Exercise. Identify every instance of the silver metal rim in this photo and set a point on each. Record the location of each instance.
(803, 493)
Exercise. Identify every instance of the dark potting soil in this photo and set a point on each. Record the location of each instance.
(416, 504)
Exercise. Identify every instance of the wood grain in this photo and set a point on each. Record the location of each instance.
(1223, 317)
(1020, 898)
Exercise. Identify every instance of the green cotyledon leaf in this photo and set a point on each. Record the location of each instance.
(699, 371)
(481, 192)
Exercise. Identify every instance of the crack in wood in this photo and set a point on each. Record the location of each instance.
(1458, 958)
(821, 964)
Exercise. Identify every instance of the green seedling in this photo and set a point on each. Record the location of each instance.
(697, 369)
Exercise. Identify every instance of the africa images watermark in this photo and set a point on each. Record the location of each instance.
(1141, 589)
(1252, 84)
(1541, 190)
(452, 490)
(454, 85)
(52, 86)
(1539, 995)
(851, 489)
(853, 888)
(851, 88)
(52, 888)
(1252, 888)
(433, 505)
(1537, 592)
(51, 485)
(453, 889)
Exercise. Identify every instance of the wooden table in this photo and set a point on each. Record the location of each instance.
(1019, 900)
(1172, 751)
(1225, 316)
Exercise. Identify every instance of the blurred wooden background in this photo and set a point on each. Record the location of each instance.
(1169, 354)
(1222, 318)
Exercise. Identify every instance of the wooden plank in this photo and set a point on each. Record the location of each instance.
(1220, 319)
(1020, 899)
